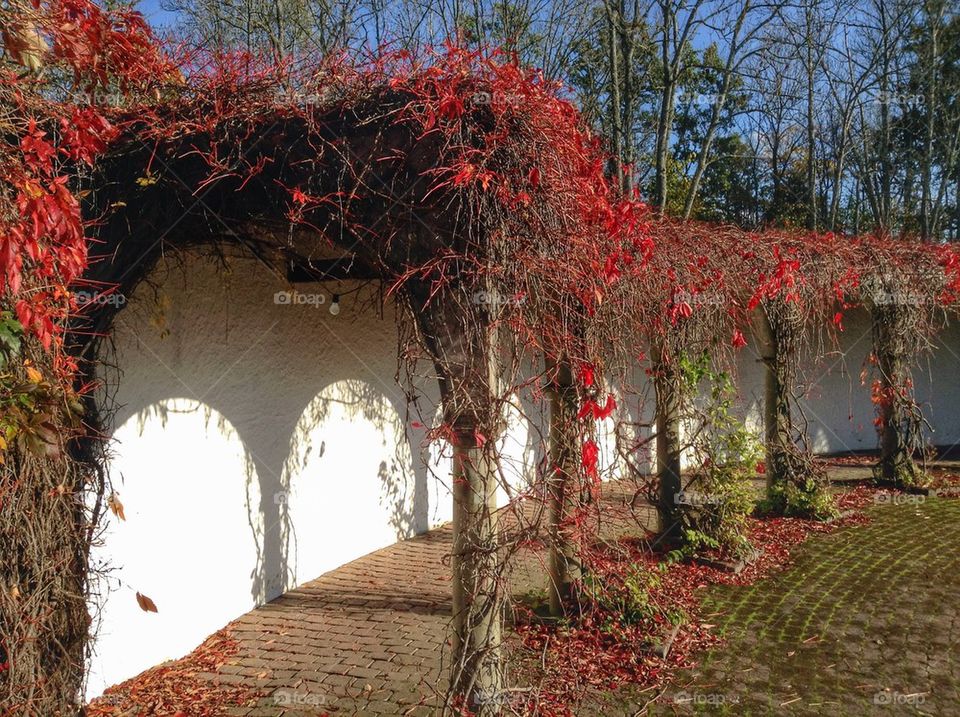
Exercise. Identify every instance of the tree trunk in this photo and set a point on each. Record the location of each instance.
(564, 565)
(956, 209)
(773, 410)
(477, 603)
(777, 419)
(668, 446)
(664, 125)
(930, 82)
(812, 218)
(616, 101)
(703, 156)
(629, 52)
(884, 200)
(464, 345)
(44, 623)
(896, 466)
(894, 451)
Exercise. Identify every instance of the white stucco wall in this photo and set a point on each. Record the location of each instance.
(837, 404)
(256, 446)
(259, 444)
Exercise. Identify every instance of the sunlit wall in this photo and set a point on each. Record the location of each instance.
(260, 441)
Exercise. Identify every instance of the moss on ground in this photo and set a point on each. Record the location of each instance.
(867, 621)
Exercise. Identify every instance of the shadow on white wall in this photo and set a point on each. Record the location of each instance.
(351, 485)
(256, 446)
(191, 540)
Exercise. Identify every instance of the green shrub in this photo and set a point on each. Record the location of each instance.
(718, 499)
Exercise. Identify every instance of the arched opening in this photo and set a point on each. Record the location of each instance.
(257, 441)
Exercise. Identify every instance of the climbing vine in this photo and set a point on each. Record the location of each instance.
(472, 189)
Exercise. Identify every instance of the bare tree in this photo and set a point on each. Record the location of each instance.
(278, 29)
(750, 20)
(676, 25)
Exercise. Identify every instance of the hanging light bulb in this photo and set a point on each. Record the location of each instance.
(335, 305)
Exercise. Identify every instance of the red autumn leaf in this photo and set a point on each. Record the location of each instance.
(590, 458)
(611, 271)
(586, 409)
(146, 604)
(534, 177)
(451, 107)
(38, 151)
(464, 175)
(485, 179)
(608, 408)
(585, 374)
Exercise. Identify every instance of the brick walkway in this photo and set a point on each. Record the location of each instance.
(366, 638)
(866, 622)
(369, 638)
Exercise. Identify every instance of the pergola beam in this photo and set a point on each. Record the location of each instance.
(345, 268)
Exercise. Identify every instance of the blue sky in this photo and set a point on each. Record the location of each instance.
(155, 15)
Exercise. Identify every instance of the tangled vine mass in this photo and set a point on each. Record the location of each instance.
(449, 176)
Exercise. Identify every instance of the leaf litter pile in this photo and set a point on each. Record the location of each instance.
(183, 688)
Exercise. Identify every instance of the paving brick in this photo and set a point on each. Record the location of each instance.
(382, 621)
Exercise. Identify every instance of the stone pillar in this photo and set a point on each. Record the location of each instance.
(896, 466)
(463, 343)
(477, 673)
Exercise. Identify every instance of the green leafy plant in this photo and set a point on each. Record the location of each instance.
(34, 411)
(11, 337)
(622, 596)
(806, 500)
(718, 500)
